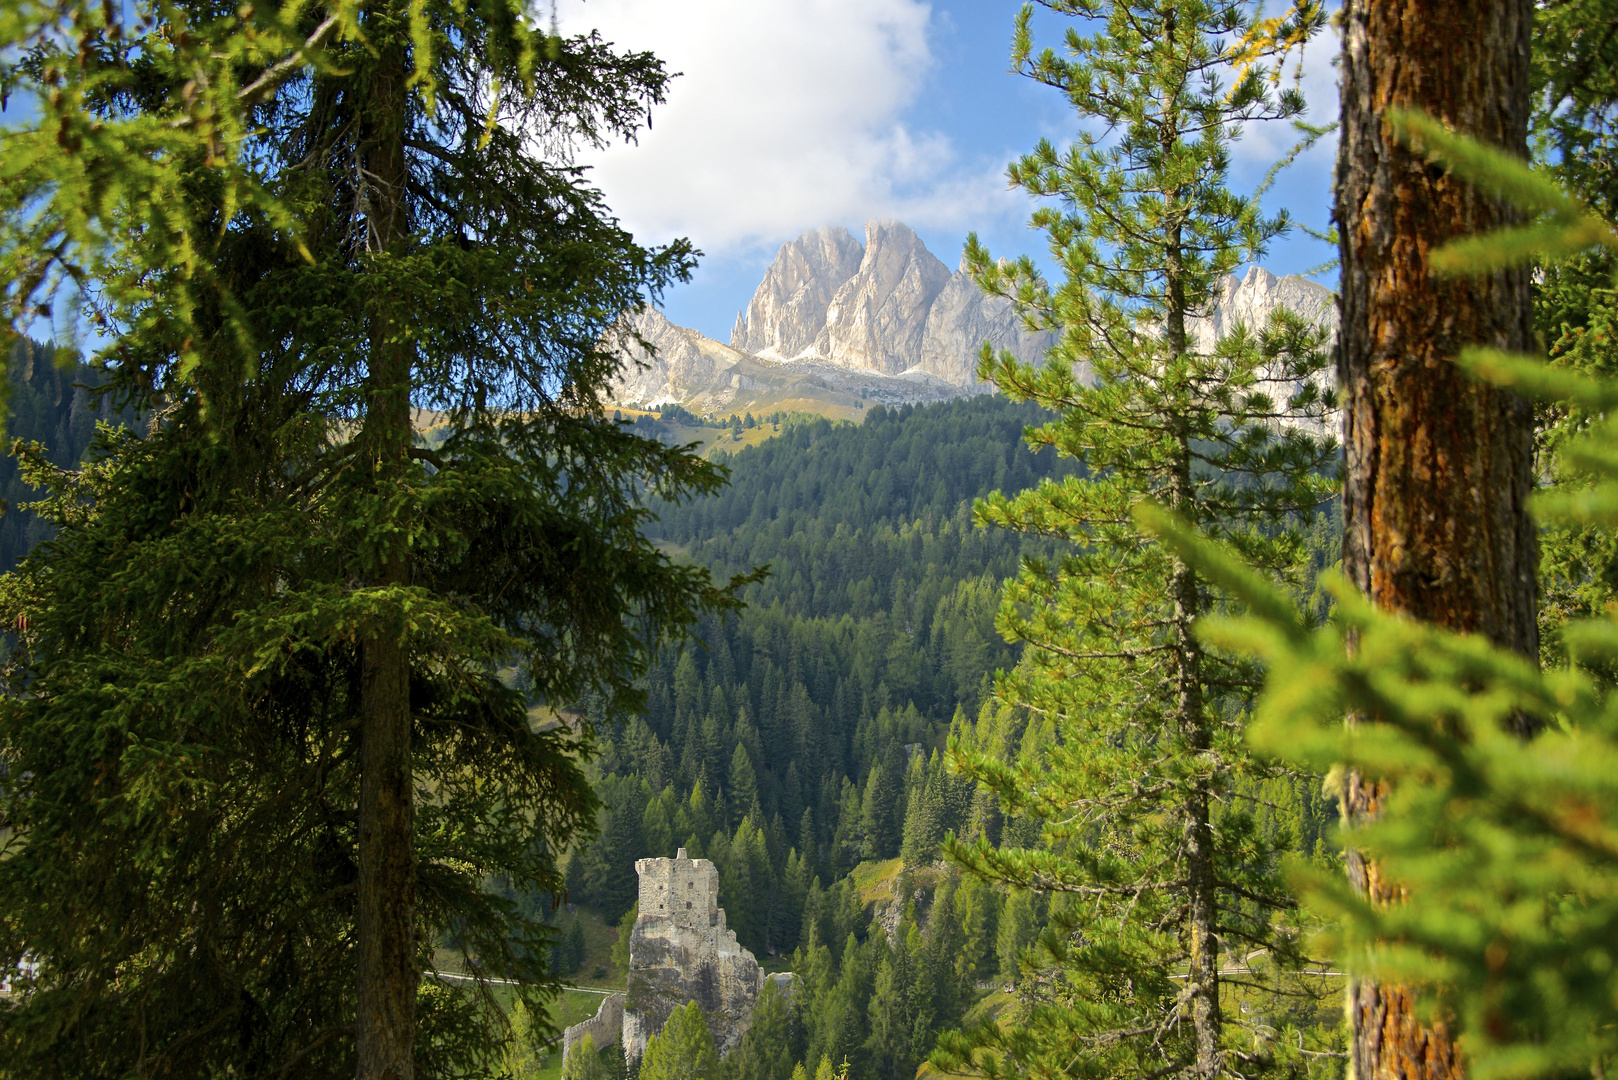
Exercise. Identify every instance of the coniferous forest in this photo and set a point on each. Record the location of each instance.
(803, 745)
(1185, 708)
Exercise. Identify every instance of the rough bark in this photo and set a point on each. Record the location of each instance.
(1202, 900)
(387, 972)
(1438, 467)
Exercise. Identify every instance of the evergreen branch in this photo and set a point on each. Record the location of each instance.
(422, 453)
(277, 73)
(321, 1039)
(1312, 134)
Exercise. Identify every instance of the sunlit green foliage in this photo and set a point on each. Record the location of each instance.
(683, 1050)
(521, 1058)
(588, 1062)
(180, 730)
(1508, 848)
(140, 151)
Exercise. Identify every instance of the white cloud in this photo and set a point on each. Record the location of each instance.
(789, 114)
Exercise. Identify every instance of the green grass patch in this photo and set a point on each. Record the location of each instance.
(875, 881)
(599, 939)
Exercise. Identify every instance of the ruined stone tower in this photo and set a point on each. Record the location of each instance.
(682, 951)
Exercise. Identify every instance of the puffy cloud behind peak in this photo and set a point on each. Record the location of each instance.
(785, 116)
(793, 114)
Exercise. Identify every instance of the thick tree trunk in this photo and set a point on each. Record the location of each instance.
(1202, 897)
(387, 975)
(1201, 869)
(1438, 467)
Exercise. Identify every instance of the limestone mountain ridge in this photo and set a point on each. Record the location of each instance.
(839, 325)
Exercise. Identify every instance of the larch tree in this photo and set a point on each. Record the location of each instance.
(266, 742)
(1158, 874)
(1439, 466)
(683, 1050)
(1502, 847)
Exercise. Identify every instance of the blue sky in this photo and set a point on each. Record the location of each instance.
(790, 114)
(796, 113)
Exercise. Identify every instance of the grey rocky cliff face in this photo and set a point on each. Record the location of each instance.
(961, 319)
(788, 310)
(684, 364)
(879, 323)
(681, 951)
(878, 317)
(889, 307)
(1251, 299)
(883, 323)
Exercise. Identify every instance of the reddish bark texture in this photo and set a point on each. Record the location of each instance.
(1438, 467)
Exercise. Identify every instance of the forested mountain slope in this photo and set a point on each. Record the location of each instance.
(50, 405)
(874, 628)
(799, 745)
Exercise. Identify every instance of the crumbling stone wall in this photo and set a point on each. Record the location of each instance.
(605, 1027)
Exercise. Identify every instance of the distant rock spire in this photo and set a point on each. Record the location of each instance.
(847, 324)
(878, 317)
(788, 310)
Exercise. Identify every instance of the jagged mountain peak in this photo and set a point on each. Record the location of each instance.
(878, 317)
(835, 319)
(888, 305)
(1251, 298)
(788, 310)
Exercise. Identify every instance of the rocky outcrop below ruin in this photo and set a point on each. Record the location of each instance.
(679, 951)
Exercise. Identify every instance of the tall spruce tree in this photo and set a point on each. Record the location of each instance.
(1160, 874)
(267, 737)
